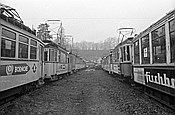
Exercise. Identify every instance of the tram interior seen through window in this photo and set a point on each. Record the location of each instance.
(45, 55)
(23, 47)
(33, 49)
(136, 52)
(145, 49)
(8, 43)
(7, 48)
(159, 45)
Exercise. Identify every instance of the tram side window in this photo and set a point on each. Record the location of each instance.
(158, 45)
(172, 39)
(117, 53)
(33, 49)
(8, 44)
(127, 53)
(8, 34)
(33, 53)
(145, 50)
(106, 60)
(121, 54)
(59, 56)
(51, 55)
(45, 55)
(66, 58)
(62, 57)
(7, 48)
(23, 47)
(55, 55)
(114, 55)
(110, 59)
(136, 53)
(71, 59)
(124, 53)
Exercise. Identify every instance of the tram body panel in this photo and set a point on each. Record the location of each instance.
(62, 68)
(17, 73)
(157, 77)
(106, 67)
(153, 62)
(55, 69)
(49, 69)
(116, 68)
(126, 69)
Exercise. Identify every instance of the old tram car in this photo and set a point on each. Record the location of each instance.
(55, 60)
(122, 60)
(79, 63)
(106, 63)
(21, 55)
(154, 57)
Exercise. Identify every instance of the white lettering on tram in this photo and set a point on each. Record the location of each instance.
(161, 80)
(21, 69)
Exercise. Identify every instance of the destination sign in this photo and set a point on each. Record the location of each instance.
(14, 69)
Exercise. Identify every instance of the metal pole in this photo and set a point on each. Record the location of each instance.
(72, 42)
(60, 33)
(60, 27)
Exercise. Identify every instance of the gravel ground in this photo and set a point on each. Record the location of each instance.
(88, 92)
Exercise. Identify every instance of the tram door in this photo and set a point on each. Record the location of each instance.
(41, 61)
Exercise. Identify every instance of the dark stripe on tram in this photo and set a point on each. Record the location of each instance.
(8, 59)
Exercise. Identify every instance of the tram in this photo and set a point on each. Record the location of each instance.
(150, 60)
(55, 60)
(154, 59)
(122, 60)
(27, 62)
(21, 54)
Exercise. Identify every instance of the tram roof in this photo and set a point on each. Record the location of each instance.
(5, 6)
(10, 15)
(168, 16)
(52, 43)
(10, 12)
(126, 41)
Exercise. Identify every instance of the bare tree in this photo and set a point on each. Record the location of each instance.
(107, 44)
(43, 32)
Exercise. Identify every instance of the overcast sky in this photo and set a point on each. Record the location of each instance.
(92, 20)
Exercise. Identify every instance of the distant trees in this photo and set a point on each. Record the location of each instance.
(43, 32)
(107, 44)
